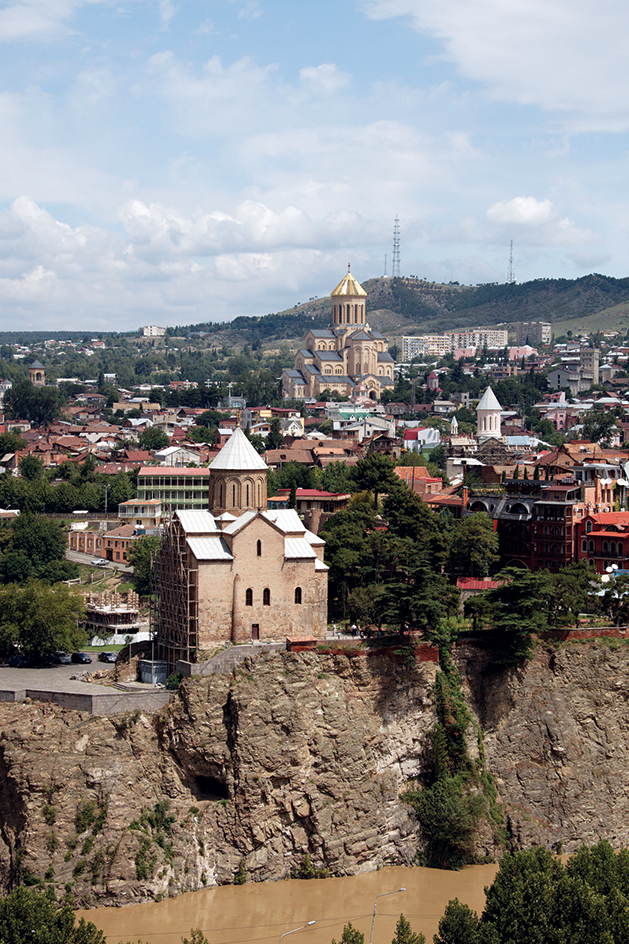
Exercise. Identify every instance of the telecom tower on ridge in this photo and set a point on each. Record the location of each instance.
(395, 258)
(511, 269)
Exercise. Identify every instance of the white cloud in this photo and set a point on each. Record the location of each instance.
(563, 55)
(39, 20)
(534, 221)
(325, 79)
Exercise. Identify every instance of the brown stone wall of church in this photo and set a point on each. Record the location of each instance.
(225, 615)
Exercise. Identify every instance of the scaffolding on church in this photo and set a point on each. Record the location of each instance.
(176, 586)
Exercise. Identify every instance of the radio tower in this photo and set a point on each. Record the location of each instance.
(395, 258)
(385, 265)
(511, 269)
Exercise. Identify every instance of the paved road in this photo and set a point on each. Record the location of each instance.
(54, 678)
(80, 558)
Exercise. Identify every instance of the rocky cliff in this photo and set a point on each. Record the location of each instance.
(293, 755)
(556, 736)
(301, 754)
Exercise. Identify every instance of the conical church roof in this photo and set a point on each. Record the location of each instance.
(348, 286)
(238, 455)
(489, 401)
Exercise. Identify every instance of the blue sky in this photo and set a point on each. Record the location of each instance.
(175, 161)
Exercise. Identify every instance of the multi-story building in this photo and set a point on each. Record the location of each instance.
(174, 488)
(479, 337)
(153, 331)
(433, 345)
(603, 540)
(533, 332)
(537, 523)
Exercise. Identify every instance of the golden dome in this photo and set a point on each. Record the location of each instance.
(348, 286)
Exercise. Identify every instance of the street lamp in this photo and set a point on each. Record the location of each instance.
(286, 933)
(383, 895)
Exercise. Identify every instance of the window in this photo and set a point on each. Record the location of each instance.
(266, 597)
(234, 495)
(249, 597)
(584, 545)
(247, 493)
(259, 548)
(297, 594)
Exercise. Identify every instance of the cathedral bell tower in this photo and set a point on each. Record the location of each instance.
(348, 300)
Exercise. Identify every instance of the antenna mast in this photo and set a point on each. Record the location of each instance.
(511, 269)
(395, 259)
(385, 265)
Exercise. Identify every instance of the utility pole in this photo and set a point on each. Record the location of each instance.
(395, 259)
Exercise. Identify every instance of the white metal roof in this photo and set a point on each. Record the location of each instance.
(319, 565)
(209, 548)
(238, 455)
(240, 522)
(286, 519)
(489, 401)
(298, 548)
(197, 522)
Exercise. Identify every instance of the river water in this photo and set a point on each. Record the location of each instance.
(262, 912)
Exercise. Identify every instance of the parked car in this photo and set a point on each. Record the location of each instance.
(81, 657)
(107, 656)
(100, 562)
(61, 658)
(40, 659)
(19, 661)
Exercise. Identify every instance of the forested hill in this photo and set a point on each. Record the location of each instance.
(399, 305)
(540, 300)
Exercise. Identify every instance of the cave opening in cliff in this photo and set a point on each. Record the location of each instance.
(210, 788)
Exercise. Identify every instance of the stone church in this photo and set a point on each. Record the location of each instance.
(347, 358)
(238, 572)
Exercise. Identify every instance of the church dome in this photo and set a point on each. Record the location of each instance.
(348, 286)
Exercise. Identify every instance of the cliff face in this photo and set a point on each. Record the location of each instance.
(556, 737)
(301, 754)
(295, 754)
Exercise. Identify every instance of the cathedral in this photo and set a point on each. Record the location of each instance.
(348, 358)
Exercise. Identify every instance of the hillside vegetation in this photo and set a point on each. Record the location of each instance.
(404, 305)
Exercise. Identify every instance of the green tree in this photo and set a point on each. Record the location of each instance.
(519, 610)
(153, 439)
(351, 935)
(11, 442)
(274, 439)
(34, 916)
(459, 925)
(39, 405)
(29, 545)
(404, 933)
(142, 556)
(570, 591)
(31, 468)
(40, 618)
(474, 550)
(375, 474)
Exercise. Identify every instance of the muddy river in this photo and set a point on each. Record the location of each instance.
(263, 912)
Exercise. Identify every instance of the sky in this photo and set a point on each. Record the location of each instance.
(175, 161)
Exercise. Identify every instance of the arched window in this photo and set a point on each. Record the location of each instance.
(234, 495)
(220, 494)
(612, 548)
(259, 495)
(588, 527)
(605, 547)
(249, 597)
(591, 547)
(584, 545)
(259, 548)
(247, 494)
(266, 597)
(297, 594)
